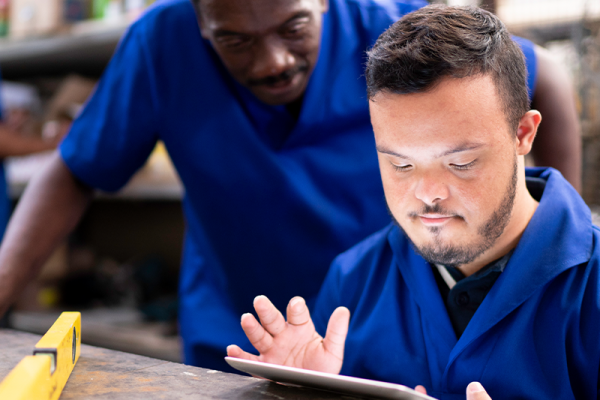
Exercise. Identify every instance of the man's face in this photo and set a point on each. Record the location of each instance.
(269, 46)
(448, 164)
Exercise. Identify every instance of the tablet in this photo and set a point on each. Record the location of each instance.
(325, 381)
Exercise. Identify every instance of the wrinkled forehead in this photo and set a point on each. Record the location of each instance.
(218, 13)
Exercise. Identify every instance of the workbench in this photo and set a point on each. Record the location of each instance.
(114, 375)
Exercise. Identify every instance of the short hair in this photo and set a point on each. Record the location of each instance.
(439, 41)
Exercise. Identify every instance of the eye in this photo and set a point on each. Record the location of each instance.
(464, 167)
(402, 168)
(296, 30)
(234, 42)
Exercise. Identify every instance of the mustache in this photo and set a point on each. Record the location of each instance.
(435, 209)
(284, 76)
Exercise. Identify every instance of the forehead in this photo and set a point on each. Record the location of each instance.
(455, 110)
(251, 14)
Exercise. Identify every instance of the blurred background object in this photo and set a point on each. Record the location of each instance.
(570, 30)
(120, 267)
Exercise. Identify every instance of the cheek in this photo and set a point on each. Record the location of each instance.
(480, 197)
(397, 192)
(237, 64)
(309, 46)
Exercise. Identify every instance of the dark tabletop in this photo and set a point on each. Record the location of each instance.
(113, 375)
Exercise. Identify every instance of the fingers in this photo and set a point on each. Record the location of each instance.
(476, 392)
(258, 336)
(420, 389)
(270, 317)
(235, 351)
(337, 329)
(297, 311)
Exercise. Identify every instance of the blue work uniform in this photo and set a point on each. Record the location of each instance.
(269, 200)
(534, 336)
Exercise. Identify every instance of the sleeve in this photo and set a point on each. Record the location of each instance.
(528, 49)
(407, 6)
(377, 16)
(117, 129)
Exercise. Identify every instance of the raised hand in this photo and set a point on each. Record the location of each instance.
(294, 343)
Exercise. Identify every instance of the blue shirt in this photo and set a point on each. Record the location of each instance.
(269, 201)
(535, 335)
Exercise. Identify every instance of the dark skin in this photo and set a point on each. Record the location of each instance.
(14, 144)
(55, 201)
(269, 46)
(558, 141)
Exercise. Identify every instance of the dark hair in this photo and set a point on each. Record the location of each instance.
(439, 41)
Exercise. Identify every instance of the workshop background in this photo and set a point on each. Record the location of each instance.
(120, 266)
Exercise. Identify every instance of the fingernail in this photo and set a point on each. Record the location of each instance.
(244, 315)
(475, 387)
(258, 297)
(296, 301)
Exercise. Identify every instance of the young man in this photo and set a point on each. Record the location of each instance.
(490, 272)
(264, 115)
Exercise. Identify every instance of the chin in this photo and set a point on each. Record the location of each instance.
(280, 100)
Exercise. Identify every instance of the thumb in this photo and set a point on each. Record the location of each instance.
(476, 392)
(337, 329)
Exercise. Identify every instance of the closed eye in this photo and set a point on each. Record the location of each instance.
(234, 42)
(297, 29)
(464, 167)
(402, 168)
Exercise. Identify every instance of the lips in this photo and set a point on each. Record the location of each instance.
(282, 86)
(434, 219)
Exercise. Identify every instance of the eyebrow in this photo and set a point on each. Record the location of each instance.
(458, 149)
(298, 15)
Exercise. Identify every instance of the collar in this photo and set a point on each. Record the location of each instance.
(452, 275)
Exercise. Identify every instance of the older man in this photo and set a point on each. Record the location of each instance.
(490, 272)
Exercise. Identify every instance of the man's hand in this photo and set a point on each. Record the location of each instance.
(294, 343)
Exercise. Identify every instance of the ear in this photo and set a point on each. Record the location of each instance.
(526, 131)
(324, 5)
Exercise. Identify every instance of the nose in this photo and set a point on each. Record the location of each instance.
(272, 58)
(431, 188)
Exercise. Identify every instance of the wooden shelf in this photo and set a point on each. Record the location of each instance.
(157, 180)
(84, 47)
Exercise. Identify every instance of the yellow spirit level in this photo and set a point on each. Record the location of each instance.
(44, 375)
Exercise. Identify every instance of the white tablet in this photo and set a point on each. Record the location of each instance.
(325, 381)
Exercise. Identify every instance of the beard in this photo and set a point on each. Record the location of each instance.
(488, 233)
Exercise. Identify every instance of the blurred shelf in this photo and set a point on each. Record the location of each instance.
(85, 47)
(156, 180)
(120, 329)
